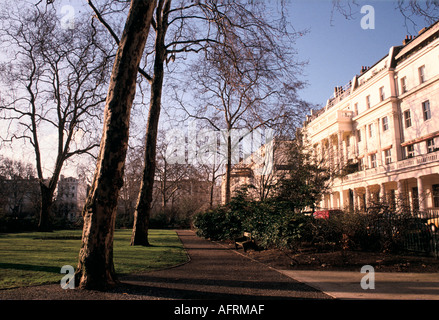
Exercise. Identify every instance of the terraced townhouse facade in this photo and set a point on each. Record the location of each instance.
(380, 132)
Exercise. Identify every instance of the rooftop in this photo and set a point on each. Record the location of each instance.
(397, 54)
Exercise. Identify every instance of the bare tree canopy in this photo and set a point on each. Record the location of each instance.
(248, 79)
(54, 79)
(409, 9)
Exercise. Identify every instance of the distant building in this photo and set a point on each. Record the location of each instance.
(187, 195)
(381, 130)
(261, 170)
(70, 197)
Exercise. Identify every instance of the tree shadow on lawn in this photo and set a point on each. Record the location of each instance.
(29, 267)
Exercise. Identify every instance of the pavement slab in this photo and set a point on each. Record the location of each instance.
(387, 285)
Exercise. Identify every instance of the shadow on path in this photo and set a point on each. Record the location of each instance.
(216, 272)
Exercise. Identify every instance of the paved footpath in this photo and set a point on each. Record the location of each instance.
(216, 272)
(213, 272)
(387, 285)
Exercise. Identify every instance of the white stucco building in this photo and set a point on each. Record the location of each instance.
(71, 196)
(261, 169)
(381, 130)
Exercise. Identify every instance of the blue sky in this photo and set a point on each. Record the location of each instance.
(336, 50)
(335, 47)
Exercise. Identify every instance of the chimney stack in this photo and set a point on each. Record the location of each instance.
(364, 69)
(408, 39)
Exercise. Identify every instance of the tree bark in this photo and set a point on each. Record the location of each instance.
(144, 201)
(44, 224)
(95, 268)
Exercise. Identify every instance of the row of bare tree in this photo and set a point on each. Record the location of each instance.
(243, 73)
(57, 79)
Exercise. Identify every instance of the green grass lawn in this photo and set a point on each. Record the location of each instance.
(36, 258)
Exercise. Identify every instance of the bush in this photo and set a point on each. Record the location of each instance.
(216, 224)
(274, 224)
(324, 234)
(14, 224)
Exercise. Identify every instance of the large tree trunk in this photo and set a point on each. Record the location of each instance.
(144, 201)
(44, 223)
(95, 268)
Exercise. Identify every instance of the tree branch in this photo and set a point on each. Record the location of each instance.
(114, 36)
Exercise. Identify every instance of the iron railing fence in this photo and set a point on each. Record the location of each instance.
(412, 232)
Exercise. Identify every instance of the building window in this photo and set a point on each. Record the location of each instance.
(373, 160)
(371, 130)
(359, 135)
(403, 85)
(382, 95)
(368, 102)
(362, 164)
(426, 110)
(410, 151)
(385, 122)
(421, 71)
(430, 145)
(356, 109)
(407, 119)
(415, 199)
(435, 188)
(388, 156)
(392, 199)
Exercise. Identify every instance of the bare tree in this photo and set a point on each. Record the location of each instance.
(249, 80)
(169, 175)
(180, 27)
(211, 170)
(95, 267)
(17, 187)
(410, 9)
(54, 79)
(132, 177)
(162, 53)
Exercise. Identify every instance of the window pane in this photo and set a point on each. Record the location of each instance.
(388, 156)
(430, 145)
(382, 95)
(403, 85)
(421, 74)
(407, 118)
(410, 151)
(426, 110)
(385, 123)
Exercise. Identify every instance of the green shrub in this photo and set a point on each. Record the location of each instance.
(276, 224)
(273, 224)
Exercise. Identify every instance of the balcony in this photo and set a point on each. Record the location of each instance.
(342, 119)
(340, 93)
(423, 159)
(418, 160)
(241, 171)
